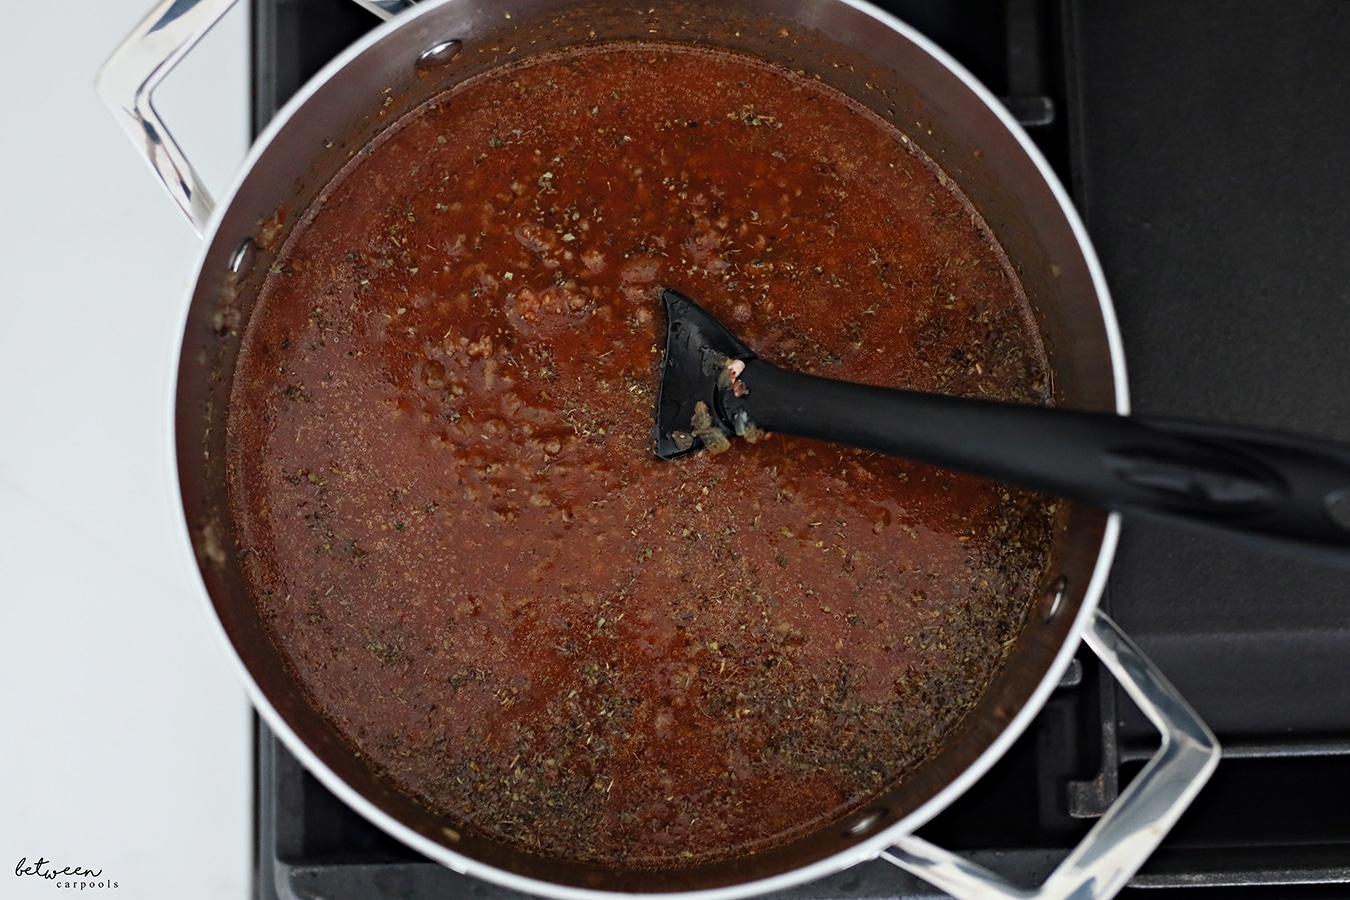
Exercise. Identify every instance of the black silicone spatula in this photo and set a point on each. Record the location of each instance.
(1289, 493)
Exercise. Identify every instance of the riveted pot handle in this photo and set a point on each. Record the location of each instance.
(127, 83)
(1134, 826)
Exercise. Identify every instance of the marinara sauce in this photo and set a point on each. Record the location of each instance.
(442, 470)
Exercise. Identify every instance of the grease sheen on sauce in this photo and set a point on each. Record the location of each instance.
(442, 471)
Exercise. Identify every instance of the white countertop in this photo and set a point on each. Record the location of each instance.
(127, 743)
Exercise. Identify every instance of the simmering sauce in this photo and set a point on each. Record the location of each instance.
(442, 474)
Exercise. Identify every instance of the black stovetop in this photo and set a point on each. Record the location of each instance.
(1203, 143)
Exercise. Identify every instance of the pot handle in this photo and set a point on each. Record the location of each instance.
(386, 9)
(127, 83)
(1117, 845)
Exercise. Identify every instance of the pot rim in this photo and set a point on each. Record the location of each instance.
(864, 850)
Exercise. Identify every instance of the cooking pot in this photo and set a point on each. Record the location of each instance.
(876, 60)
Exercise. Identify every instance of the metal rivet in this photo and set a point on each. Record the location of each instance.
(241, 260)
(1054, 598)
(870, 820)
(439, 54)
(1337, 505)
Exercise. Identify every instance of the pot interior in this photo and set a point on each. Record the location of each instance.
(846, 46)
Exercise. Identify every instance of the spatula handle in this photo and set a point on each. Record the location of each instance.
(1290, 493)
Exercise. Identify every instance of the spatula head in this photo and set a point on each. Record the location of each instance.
(698, 351)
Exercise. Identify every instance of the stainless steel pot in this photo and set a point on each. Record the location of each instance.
(873, 58)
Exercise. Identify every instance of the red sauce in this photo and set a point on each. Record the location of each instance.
(442, 472)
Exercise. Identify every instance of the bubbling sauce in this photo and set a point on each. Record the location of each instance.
(442, 474)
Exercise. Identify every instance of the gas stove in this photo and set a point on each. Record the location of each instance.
(1203, 145)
